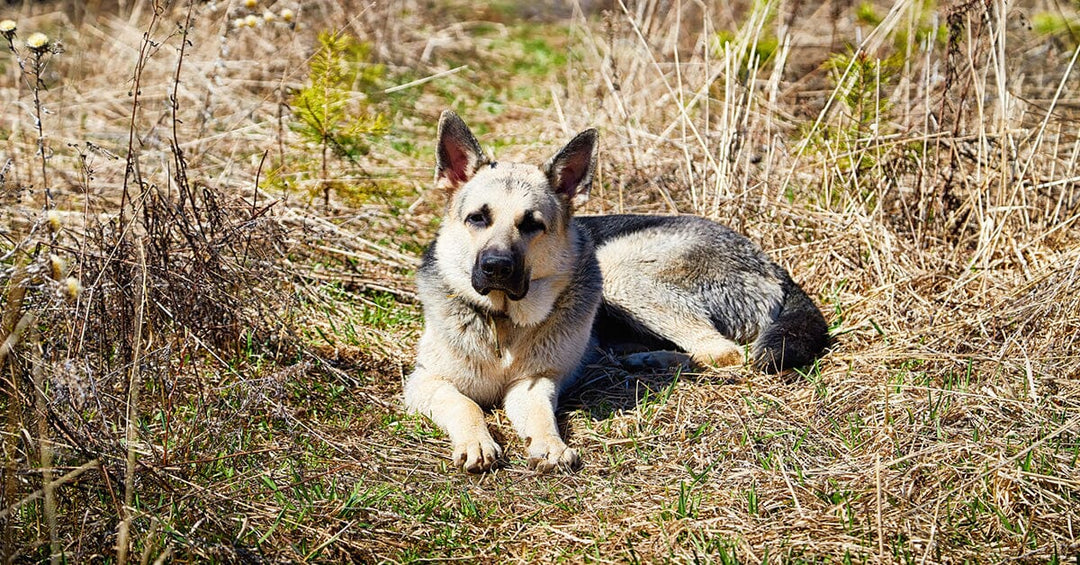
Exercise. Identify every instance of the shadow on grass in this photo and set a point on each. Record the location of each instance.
(606, 387)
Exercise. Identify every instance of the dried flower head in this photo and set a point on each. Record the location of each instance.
(72, 287)
(269, 17)
(37, 41)
(58, 266)
(53, 218)
(251, 3)
(7, 27)
(252, 20)
(288, 15)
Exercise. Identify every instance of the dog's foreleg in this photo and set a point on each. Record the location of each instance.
(459, 416)
(530, 405)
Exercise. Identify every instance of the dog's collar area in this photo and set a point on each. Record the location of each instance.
(488, 313)
(494, 327)
(491, 319)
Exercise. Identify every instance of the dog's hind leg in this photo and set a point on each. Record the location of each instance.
(462, 419)
(663, 305)
(530, 405)
(678, 318)
(702, 343)
(709, 347)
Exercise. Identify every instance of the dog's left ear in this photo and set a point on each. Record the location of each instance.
(457, 155)
(570, 171)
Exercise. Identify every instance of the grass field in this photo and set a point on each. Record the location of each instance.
(211, 214)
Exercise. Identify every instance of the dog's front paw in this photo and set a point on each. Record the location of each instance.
(545, 456)
(476, 455)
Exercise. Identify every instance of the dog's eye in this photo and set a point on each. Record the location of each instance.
(478, 219)
(530, 225)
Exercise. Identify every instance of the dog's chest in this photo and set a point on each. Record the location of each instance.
(504, 351)
(494, 353)
(501, 341)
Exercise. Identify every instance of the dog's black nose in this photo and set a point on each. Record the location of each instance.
(502, 270)
(497, 265)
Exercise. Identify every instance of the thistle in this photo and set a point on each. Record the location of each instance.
(7, 29)
(37, 42)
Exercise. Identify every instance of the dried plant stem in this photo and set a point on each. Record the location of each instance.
(134, 382)
(44, 442)
(670, 90)
(174, 99)
(39, 67)
(11, 328)
(131, 165)
(877, 504)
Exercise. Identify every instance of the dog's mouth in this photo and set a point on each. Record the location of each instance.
(514, 292)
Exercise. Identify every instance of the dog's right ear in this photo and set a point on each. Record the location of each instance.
(570, 171)
(458, 154)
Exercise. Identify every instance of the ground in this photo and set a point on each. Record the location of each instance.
(212, 214)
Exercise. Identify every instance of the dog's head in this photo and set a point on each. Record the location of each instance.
(508, 223)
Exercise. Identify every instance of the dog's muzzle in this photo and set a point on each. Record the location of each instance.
(501, 270)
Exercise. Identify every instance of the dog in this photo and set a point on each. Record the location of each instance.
(518, 293)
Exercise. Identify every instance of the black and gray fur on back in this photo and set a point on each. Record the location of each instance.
(663, 275)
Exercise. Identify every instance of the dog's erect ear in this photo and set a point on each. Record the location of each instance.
(458, 154)
(570, 171)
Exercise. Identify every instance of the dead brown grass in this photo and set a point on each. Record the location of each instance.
(922, 186)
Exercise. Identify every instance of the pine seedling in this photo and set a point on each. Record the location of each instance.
(332, 111)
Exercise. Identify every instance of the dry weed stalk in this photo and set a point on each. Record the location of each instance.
(134, 384)
(45, 448)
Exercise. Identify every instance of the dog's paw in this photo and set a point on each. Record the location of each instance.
(476, 456)
(729, 358)
(546, 456)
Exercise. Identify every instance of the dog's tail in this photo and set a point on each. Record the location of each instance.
(796, 337)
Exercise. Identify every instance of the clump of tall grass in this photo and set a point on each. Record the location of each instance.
(98, 301)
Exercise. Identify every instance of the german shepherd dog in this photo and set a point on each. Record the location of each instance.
(517, 293)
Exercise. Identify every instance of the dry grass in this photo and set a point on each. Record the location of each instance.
(222, 383)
